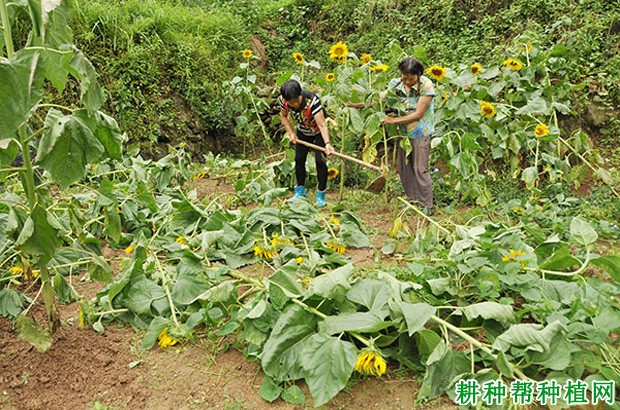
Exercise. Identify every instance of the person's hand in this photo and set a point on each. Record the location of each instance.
(389, 120)
(292, 138)
(329, 150)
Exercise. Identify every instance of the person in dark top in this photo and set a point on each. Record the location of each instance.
(309, 115)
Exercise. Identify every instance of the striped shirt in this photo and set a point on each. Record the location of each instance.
(304, 116)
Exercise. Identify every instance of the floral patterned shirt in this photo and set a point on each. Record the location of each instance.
(425, 126)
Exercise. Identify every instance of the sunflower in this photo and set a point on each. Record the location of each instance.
(332, 173)
(371, 363)
(247, 54)
(200, 175)
(181, 241)
(334, 220)
(329, 77)
(365, 58)
(264, 253)
(380, 67)
(276, 240)
(129, 249)
(16, 270)
(339, 60)
(166, 340)
(444, 97)
(299, 260)
(541, 129)
(513, 64)
(338, 52)
(513, 256)
(336, 247)
(487, 109)
(298, 58)
(476, 69)
(437, 72)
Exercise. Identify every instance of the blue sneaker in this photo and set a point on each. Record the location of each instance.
(300, 192)
(320, 199)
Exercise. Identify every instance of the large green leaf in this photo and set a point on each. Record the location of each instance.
(558, 357)
(8, 151)
(416, 315)
(10, 303)
(535, 106)
(489, 310)
(91, 93)
(610, 263)
(328, 362)
(190, 282)
(281, 356)
(38, 236)
(373, 294)
(561, 259)
(269, 389)
(20, 88)
(443, 366)
(286, 279)
(530, 336)
(141, 294)
(105, 129)
(355, 322)
(67, 145)
(582, 232)
(31, 332)
(331, 285)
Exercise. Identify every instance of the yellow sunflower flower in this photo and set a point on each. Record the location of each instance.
(16, 270)
(512, 256)
(181, 241)
(166, 340)
(200, 175)
(329, 77)
(513, 64)
(298, 58)
(247, 54)
(541, 129)
(476, 69)
(81, 321)
(487, 109)
(264, 253)
(334, 220)
(276, 240)
(339, 60)
(336, 247)
(129, 249)
(332, 173)
(365, 58)
(380, 67)
(437, 72)
(299, 260)
(338, 52)
(370, 363)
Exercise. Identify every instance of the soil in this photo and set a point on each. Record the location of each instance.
(84, 370)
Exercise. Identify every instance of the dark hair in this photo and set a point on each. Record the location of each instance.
(411, 66)
(290, 90)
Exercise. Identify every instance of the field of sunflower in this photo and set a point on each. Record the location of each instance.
(493, 290)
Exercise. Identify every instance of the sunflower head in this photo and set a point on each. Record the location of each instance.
(371, 363)
(165, 339)
(380, 67)
(338, 51)
(332, 173)
(487, 109)
(336, 247)
(181, 241)
(513, 64)
(247, 54)
(476, 69)
(298, 58)
(329, 77)
(16, 270)
(200, 175)
(365, 58)
(541, 129)
(437, 72)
